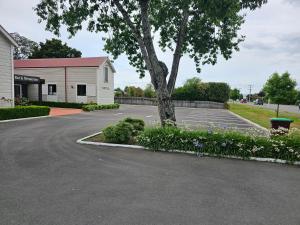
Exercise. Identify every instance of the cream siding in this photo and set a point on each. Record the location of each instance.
(105, 90)
(80, 75)
(51, 76)
(6, 72)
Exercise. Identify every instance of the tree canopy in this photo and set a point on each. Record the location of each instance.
(202, 29)
(54, 48)
(235, 94)
(25, 46)
(280, 89)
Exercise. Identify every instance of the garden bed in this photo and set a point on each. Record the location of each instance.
(282, 149)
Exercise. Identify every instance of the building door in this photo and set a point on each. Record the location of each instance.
(18, 91)
(81, 93)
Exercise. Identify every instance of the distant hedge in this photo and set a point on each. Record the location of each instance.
(59, 104)
(212, 91)
(23, 112)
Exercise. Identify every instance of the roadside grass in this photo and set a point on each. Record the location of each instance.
(262, 116)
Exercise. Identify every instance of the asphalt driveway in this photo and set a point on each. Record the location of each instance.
(46, 178)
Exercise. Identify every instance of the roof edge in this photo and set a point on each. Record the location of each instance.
(110, 64)
(8, 36)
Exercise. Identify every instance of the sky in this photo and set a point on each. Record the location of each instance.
(272, 44)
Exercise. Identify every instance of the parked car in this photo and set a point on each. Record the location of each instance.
(243, 100)
(258, 102)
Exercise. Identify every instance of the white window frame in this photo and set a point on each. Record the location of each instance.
(48, 89)
(85, 89)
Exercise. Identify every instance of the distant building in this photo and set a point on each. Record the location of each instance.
(81, 80)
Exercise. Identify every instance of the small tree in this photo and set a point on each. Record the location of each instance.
(280, 89)
(149, 91)
(54, 48)
(25, 46)
(202, 29)
(235, 94)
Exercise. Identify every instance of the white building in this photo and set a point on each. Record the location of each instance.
(81, 80)
(7, 45)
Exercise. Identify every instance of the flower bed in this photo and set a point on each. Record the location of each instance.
(285, 147)
(23, 112)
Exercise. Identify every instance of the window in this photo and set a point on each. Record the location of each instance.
(105, 75)
(81, 90)
(51, 89)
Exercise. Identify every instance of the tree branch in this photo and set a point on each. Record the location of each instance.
(146, 29)
(177, 54)
(136, 33)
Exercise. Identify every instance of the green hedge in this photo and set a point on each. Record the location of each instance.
(23, 112)
(212, 91)
(223, 144)
(93, 107)
(60, 104)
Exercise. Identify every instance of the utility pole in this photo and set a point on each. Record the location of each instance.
(250, 89)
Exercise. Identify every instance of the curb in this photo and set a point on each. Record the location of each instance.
(21, 119)
(272, 160)
(249, 121)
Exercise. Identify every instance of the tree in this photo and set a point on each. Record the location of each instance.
(280, 89)
(201, 29)
(132, 91)
(25, 46)
(54, 48)
(119, 92)
(235, 94)
(149, 91)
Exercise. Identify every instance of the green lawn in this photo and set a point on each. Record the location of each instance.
(262, 116)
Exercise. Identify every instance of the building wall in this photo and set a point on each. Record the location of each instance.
(75, 75)
(51, 76)
(6, 73)
(81, 75)
(105, 90)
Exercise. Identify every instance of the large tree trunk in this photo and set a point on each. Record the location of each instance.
(165, 105)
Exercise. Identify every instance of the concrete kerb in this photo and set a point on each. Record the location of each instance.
(272, 160)
(21, 119)
(248, 121)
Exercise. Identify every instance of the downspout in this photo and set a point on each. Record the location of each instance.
(66, 93)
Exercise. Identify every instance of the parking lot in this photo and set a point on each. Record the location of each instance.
(46, 178)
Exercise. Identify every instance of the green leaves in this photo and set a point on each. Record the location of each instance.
(280, 89)
(212, 26)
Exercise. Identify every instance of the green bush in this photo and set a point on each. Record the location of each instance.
(195, 90)
(60, 104)
(218, 92)
(137, 124)
(121, 133)
(23, 112)
(92, 107)
(222, 144)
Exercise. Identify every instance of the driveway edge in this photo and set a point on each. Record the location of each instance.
(272, 160)
(21, 119)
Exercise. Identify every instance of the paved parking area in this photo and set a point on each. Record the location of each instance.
(46, 178)
(194, 118)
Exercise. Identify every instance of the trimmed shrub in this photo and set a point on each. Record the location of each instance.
(121, 133)
(137, 124)
(218, 92)
(215, 92)
(223, 144)
(60, 104)
(23, 112)
(92, 107)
